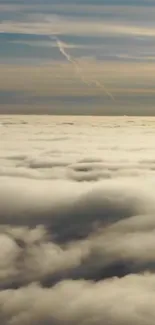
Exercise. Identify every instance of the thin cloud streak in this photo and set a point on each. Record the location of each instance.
(80, 71)
(64, 26)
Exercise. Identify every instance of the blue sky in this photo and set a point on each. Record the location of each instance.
(77, 57)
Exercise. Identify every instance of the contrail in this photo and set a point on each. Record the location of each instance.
(78, 68)
(101, 86)
(62, 50)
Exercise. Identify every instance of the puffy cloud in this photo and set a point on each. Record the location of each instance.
(77, 225)
(80, 302)
(88, 232)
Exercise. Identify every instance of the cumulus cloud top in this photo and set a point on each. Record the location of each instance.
(77, 221)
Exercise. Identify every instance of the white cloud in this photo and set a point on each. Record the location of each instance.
(77, 225)
(82, 302)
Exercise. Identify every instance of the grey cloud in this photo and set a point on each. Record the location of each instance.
(79, 207)
(44, 163)
(82, 234)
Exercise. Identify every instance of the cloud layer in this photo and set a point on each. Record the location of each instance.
(77, 225)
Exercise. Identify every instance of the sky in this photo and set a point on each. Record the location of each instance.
(73, 57)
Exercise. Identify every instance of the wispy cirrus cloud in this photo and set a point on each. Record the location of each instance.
(48, 25)
(114, 32)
